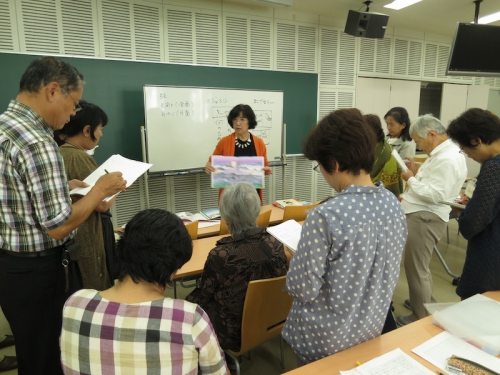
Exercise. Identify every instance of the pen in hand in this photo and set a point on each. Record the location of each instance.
(106, 171)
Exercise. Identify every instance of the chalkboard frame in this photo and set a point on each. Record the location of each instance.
(117, 87)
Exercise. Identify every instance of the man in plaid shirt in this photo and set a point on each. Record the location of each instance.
(36, 212)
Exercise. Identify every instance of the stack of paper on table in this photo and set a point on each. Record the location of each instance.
(211, 213)
(131, 170)
(441, 347)
(287, 233)
(475, 320)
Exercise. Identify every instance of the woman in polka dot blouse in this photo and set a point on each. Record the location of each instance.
(346, 266)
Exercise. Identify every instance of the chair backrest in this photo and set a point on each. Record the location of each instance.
(266, 307)
(297, 213)
(224, 229)
(263, 219)
(192, 229)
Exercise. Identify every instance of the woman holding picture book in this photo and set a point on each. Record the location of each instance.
(241, 143)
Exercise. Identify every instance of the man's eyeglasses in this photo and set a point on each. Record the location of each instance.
(78, 108)
(316, 169)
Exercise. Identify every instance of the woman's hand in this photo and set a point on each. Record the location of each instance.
(267, 170)
(464, 199)
(209, 168)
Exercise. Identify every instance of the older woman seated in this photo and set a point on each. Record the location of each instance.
(250, 253)
(132, 327)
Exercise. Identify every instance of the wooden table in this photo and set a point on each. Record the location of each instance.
(276, 218)
(406, 338)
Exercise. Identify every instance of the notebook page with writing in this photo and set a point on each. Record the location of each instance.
(287, 233)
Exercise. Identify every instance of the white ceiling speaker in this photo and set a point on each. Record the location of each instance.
(284, 3)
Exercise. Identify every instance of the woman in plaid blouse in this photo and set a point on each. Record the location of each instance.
(132, 328)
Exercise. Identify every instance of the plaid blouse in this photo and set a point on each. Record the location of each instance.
(166, 336)
(33, 185)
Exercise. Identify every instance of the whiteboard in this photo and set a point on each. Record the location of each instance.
(184, 124)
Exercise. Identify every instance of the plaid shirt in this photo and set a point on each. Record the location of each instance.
(165, 336)
(34, 188)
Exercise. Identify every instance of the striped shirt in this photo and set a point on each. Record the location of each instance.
(165, 336)
(34, 188)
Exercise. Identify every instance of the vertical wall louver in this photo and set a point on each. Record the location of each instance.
(374, 56)
(296, 46)
(407, 58)
(148, 43)
(435, 61)
(333, 99)
(8, 26)
(79, 27)
(337, 58)
(236, 41)
(247, 42)
(207, 41)
(40, 26)
(116, 30)
(193, 37)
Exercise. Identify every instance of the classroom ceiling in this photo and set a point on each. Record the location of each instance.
(435, 16)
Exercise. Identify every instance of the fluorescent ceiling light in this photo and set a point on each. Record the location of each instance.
(400, 4)
(285, 3)
(489, 18)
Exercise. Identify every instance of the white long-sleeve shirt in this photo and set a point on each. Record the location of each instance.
(439, 178)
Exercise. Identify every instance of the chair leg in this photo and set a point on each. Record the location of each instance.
(282, 353)
(235, 360)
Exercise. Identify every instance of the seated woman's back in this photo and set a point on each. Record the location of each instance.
(132, 328)
(249, 254)
(170, 335)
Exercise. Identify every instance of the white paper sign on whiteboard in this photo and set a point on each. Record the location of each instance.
(184, 124)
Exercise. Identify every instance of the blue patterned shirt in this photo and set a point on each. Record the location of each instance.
(344, 271)
(33, 184)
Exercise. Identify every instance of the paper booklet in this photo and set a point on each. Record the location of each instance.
(131, 171)
(203, 222)
(399, 160)
(282, 203)
(288, 233)
(211, 213)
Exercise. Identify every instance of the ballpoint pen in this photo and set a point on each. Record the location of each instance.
(106, 171)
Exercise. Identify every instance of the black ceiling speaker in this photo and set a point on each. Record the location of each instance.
(366, 24)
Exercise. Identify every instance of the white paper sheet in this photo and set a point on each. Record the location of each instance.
(441, 347)
(131, 171)
(287, 233)
(399, 160)
(396, 362)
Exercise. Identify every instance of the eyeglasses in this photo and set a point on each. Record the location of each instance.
(316, 169)
(78, 107)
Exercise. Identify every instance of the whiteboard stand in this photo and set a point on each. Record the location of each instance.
(144, 159)
(283, 158)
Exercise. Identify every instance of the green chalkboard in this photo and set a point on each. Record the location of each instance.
(117, 87)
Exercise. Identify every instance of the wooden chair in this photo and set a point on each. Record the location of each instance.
(224, 229)
(192, 229)
(262, 221)
(297, 213)
(264, 313)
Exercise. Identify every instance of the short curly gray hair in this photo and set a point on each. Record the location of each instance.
(422, 125)
(239, 207)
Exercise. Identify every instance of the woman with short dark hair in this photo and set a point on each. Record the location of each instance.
(477, 132)
(398, 125)
(241, 143)
(346, 266)
(77, 141)
(132, 327)
(250, 253)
